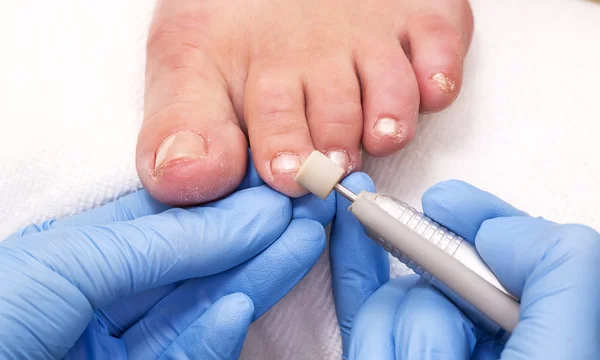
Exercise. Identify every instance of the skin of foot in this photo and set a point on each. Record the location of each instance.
(287, 77)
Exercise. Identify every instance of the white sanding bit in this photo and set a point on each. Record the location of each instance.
(319, 174)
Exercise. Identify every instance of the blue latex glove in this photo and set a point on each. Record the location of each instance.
(553, 268)
(109, 283)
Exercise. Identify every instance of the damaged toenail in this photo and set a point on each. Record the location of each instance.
(285, 163)
(387, 127)
(340, 157)
(180, 146)
(443, 82)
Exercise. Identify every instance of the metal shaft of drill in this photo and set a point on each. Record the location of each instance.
(345, 192)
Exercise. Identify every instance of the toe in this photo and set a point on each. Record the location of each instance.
(390, 98)
(437, 50)
(190, 148)
(279, 135)
(334, 111)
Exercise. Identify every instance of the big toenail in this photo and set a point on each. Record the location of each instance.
(180, 146)
(443, 82)
(387, 127)
(285, 163)
(339, 157)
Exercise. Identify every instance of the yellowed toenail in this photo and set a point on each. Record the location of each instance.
(387, 127)
(443, 82)
(285, 163)
(180, 146)
(339, 157)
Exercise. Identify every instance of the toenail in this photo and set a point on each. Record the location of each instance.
(443, 82)
(180, 146)
(387, 127)
(339, 157)
(285, 163)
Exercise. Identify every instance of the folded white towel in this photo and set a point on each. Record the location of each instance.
(525, 127)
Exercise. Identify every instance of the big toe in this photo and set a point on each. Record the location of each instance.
(190, 148)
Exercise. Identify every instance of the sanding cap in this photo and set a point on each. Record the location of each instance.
(319, 174)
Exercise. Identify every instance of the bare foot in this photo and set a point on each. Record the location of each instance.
(298, 75)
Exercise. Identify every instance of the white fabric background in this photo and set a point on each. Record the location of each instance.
(526, 127)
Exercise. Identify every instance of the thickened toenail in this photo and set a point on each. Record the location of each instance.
(180, 146)
(339, 157)
(285, 163)
(443, 82)
(387, 127)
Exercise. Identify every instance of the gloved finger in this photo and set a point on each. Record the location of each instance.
(311, 207)
(265, 279)
(122, 314)
(268, 277)
(487, 350)
(119, 316)
(429, 326)
(117, 260)
(462, 207)
(372, 335)
(126, 208)
(554, 269)
(358, 265)
(218, 334)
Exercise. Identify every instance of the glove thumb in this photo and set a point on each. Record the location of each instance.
(218, 334)
(554, 270)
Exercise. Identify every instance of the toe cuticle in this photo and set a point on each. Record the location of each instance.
(285, 163)
(443, 82)
(183, 145)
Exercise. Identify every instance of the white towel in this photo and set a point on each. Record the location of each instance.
(525, 127)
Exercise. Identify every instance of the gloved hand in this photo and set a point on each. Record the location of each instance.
(554, 269)
(109, 283)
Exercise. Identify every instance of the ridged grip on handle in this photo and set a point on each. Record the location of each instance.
(459, 271)
(436, 234)
(450, 249)
(440, 237)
